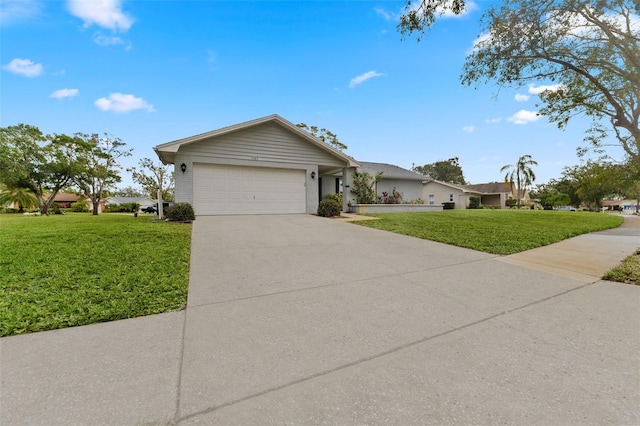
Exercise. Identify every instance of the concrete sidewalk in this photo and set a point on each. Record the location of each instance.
(305, 320)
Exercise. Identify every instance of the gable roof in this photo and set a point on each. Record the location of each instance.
(166, 151)
(490, 188)
(389, 171)
(453, 185)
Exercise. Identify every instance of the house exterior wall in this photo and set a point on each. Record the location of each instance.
(328, 186)
(494, 200)
(265, 145)
(184, 181)
(410, 189)
(442, 194)
(267, 142)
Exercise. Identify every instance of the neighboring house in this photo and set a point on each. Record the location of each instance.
(625, 206)
(263, 166)
(64, 201)
(491, 194)
(142, 201)
(409, 183)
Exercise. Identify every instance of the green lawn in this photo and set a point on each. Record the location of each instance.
(494, 231)
(77, 269)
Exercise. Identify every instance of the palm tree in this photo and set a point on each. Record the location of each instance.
(23, 197)
(520, 173)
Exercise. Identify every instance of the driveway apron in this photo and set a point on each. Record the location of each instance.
(305, 320)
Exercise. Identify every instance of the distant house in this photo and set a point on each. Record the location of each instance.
(409, 183)
(64, 201)
(142, 201)
(493, 194)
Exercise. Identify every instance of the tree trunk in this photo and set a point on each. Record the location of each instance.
(96, 205)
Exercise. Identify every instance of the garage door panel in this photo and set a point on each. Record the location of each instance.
(223, 189)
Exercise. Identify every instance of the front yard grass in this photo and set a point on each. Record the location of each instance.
(494, 231)
(627, 272)
(78, 269)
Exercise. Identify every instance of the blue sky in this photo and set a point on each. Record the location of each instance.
(149, 72)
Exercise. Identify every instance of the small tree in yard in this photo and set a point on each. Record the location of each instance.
(151, 176)
(363, 187)
(24, 198)
(101, 166)
(520, 173)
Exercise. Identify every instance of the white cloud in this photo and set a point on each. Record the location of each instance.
(524, 117)
(388, 16)
(493, 120)
(536, 90)
(469, 129)
(521, 98)
(120, 102)
(102, 40)
(363, 77)
(24, 67)
(104, 13)
(14, 11)
(64, 93)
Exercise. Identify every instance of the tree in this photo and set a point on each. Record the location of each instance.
(364, 187)
(594, 181)
(324, 135)
(23, 197)
(444, 170)
(152, 176)
(101, 166)
(588, 49)
(550, 196)
(42, 164)
(520, 173)
(128, 191)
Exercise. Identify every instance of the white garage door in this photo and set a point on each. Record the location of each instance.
(220, 189)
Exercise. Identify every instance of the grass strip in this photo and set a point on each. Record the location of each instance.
(78, 269)
(627, 272)
(494, 231)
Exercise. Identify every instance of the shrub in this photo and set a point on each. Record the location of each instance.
(394, 198)
(55, 209)
(337, 197)
(362, 188)
(122, 208)
(474, 202)
(448, 205)
(80, 206)
(180, 212)
(329, 207)
(511, 202)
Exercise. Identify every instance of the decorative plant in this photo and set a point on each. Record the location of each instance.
(394, 198)
(363, 187)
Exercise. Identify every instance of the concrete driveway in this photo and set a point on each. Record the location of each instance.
(304, 320)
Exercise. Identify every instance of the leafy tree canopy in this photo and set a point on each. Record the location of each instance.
(589, 50)
(42, 164)
(443, 170)
(324, 135)
(151, 176)
(101, 167)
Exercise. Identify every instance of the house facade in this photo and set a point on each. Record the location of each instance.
(263, 166)
(408, 183)
(494, 194)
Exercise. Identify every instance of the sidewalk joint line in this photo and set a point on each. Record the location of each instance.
(381, 354)
(352, 281)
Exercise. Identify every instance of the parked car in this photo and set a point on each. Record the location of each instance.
(149, 209)
(566, 208)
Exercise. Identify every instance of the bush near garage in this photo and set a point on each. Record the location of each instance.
(329, 207)
(180, 212)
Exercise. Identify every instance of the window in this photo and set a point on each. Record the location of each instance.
(450, 197)
(432, 199)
